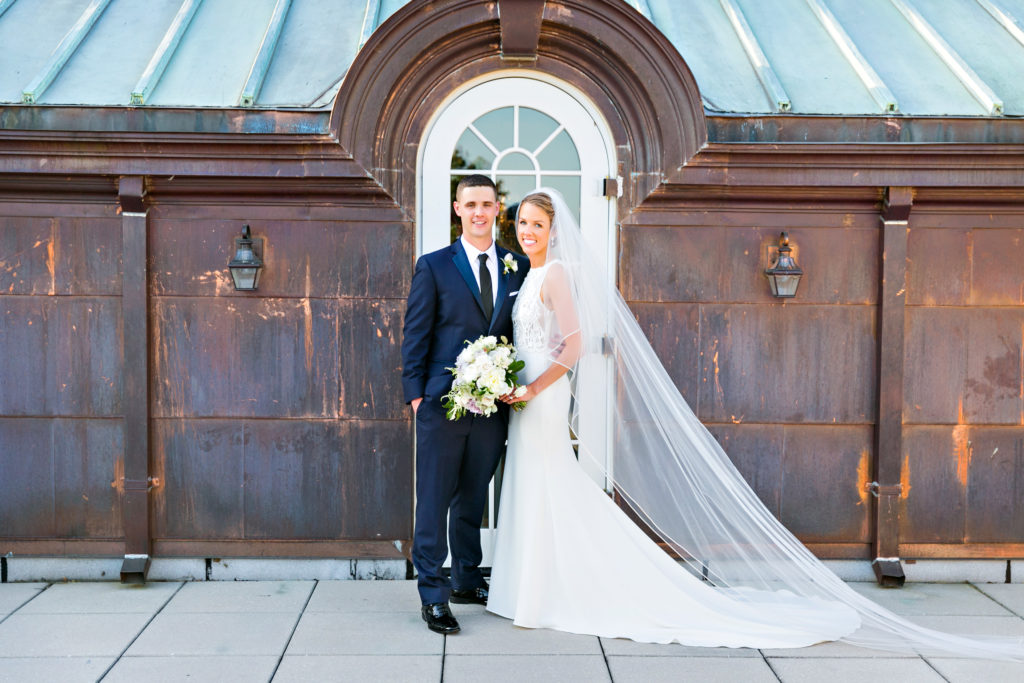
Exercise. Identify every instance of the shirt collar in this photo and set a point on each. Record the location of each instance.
(473, 253)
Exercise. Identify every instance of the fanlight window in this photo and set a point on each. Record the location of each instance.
(521, 149)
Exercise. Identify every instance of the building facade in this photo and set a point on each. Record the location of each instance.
(148, 409)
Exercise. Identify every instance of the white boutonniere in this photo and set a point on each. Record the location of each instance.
(510, 264)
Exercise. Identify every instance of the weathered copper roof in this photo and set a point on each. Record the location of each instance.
(841, 57)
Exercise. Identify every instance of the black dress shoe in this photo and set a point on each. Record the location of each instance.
(439, 618)
(473, 596)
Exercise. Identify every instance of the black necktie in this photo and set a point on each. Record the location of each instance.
(486, 293)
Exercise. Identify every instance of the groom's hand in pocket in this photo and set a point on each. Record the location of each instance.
(415, 403)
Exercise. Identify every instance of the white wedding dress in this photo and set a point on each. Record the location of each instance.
(568, 558)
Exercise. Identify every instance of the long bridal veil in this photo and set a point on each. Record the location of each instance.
(676, 479)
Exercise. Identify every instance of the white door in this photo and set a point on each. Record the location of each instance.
(524, 133)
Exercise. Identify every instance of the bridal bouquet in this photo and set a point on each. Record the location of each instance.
(484, 371)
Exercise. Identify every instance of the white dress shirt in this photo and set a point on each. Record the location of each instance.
(473, 254)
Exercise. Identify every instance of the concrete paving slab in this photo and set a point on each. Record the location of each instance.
(704, 669)
(1016, 571)
(932, 599)
(220, 668)
(227, 597)
(70, 635)
(966, 625)
(364, 596)
(106, 597)
(484, 633)
(14, 595)
(620, 646)
(846, 670)
(975, 671)
(362, 668)
(1009, 595)
(215, 634)
(63, 669)
(382, 633)
(836, 650)
(518, 668)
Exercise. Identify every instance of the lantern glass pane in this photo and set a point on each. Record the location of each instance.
(245, 278)
(785, 285)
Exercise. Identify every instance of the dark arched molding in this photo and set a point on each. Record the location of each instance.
(604, 48)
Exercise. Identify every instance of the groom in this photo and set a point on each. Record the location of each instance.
(458, 293)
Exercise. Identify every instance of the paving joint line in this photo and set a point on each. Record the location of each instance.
(604, 655)
(316, 582)
(13, 611)
(769, 665)
(1012, 612)
(932, 667)
(444, 654)
(141, 631)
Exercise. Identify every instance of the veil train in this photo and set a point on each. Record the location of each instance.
(679, 483)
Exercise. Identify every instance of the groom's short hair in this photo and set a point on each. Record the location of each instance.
(475, 180)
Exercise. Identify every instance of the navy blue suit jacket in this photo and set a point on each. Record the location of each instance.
(444, 311)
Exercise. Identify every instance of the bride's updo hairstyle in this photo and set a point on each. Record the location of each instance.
(542, 202)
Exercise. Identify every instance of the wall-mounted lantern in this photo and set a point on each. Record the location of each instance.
(245, 267)
(784, 274)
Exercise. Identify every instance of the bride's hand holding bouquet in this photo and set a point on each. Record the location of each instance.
(485, 373)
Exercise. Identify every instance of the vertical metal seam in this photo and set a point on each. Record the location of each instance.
(261, 64)
(762, 67)
(62, 53)
(1005, 19)
(869, 77)
(370, 19)
(5, 5)
(164, 51)
(964, 73)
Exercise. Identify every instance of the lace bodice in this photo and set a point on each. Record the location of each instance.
(529, 314)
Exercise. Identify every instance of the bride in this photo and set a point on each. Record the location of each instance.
(568, 557)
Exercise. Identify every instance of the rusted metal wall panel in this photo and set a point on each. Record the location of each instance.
(278, 414)
(787, 364)
(350, 258)
(60, 255)
(369, 340)
(200, 466)
(964, 365)
(995, 485)
(282, 479)
(61, 436)
(726, 264)
(225, 356)
(58, 478)
(757, 450)
(932, 497)
(963, 484)
(61, 356)
(26, 478)
(810, 476)
(963, 469)
(674, 332)
(88, 462)
(824, 472)
(787, 388)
